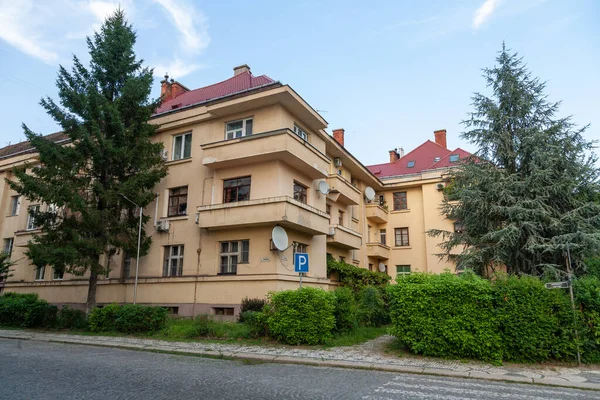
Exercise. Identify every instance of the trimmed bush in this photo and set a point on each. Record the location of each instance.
(372, 310)
(252, 305)
(303, 316)
(103, 319)
(257, 321)
(135, 318)
(69, 318)
(26, 310)
(345, 310)
(587, 298)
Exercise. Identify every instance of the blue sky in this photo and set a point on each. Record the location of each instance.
(389, 72)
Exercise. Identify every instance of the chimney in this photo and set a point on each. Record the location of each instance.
(394, 156)
(440, 137)
(169, 89)
(240, 69)
(338, 135)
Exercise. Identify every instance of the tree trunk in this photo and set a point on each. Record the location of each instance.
(91, 297)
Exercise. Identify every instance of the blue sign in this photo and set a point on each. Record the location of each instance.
(301, 262)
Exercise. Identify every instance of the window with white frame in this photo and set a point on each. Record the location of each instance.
(182, 146)
(237, 129)
(233, 253)
(58, 275)
(300, 132)
(382, 236)
(40, 272)
(32, 210)
(7, 246)
(15, 203)
(173, 262)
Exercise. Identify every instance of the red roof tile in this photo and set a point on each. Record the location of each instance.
(25, 147)
(423, 157)
(239, 83)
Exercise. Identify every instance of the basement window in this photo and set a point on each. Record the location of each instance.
(223, 310)
(410, 164)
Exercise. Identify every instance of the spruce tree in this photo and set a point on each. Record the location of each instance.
(104, 111)
(527, 196)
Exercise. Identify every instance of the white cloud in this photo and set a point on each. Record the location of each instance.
(20, 32)
(176, 68)
(191, 24)
(484, 13)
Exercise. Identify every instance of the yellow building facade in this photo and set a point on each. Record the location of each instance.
(243, 156)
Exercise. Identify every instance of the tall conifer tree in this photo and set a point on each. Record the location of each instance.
(104, 111)
(527, 196)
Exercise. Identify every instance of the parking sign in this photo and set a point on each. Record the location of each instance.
(301, 262)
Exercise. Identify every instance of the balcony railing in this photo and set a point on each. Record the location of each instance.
(376, 213)
(282, 210)
(342, 237)
(281, 144)
(343, 191)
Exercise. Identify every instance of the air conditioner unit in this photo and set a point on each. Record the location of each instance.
(164, 154)
(337, 162)
(162, 226)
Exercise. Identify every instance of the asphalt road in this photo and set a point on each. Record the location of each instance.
(41, 370)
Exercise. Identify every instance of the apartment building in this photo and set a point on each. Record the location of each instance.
(245, 155)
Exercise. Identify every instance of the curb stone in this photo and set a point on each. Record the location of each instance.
(300, 360)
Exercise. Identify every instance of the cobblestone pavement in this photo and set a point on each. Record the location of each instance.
(369, 355)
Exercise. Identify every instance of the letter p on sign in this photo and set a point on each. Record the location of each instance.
(301, 262)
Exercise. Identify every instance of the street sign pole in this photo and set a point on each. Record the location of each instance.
(573, 304)
(300, 280)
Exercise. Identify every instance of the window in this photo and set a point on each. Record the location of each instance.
(300, 248)
(126, 264)
(15, 203)
(436, 159)
(328, 210)
(402, 237)
(370, 267)
(173, 263)
(342, 259)
(223, 310)
(410, 164)
(454, 157)
(459, 227)
(402, 270)
(40, 272)
(182, 146)
(300, 192)
(178, 201)
(341, 218)
(31, 225)
(8, 246)
(400, 201)
(298, 131)
(237, 129)
(381, 200)
(237, 189)
(368, 233)
(58, 275)
(232, 254)
(382, 234)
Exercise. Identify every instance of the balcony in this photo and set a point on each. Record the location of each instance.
(282, 144)
(378, 250)
(342, 237)
(282, 210)
(376, 213)
(341, 190)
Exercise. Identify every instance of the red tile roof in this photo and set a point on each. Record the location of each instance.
(239, 83)
(424, 158)
(25, 147)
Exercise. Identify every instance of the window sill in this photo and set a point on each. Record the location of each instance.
(401, 247)
(227, 273)
(175, 218)
(400, 211)
(180, 161)
(28, 232)
(10, 215)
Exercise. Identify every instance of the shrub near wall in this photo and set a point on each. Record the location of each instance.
(26, 311)
(303, 316)
(129, 318)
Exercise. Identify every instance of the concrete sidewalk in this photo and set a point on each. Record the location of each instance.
(366, 356)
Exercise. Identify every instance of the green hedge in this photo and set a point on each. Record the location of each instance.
(372, 308)
(346, 318)
(509, 318)
(303, 316)
(354, 277)
(26, 311)
(129, 318)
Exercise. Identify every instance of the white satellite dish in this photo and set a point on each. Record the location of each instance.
(323, 187)
(280, 238)
(381, 267)
(369, 193)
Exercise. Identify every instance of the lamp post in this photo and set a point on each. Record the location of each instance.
(137, 259)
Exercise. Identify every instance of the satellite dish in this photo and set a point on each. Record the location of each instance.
(280, 238)
(369, 193)
(323, 187)
(381, 267)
